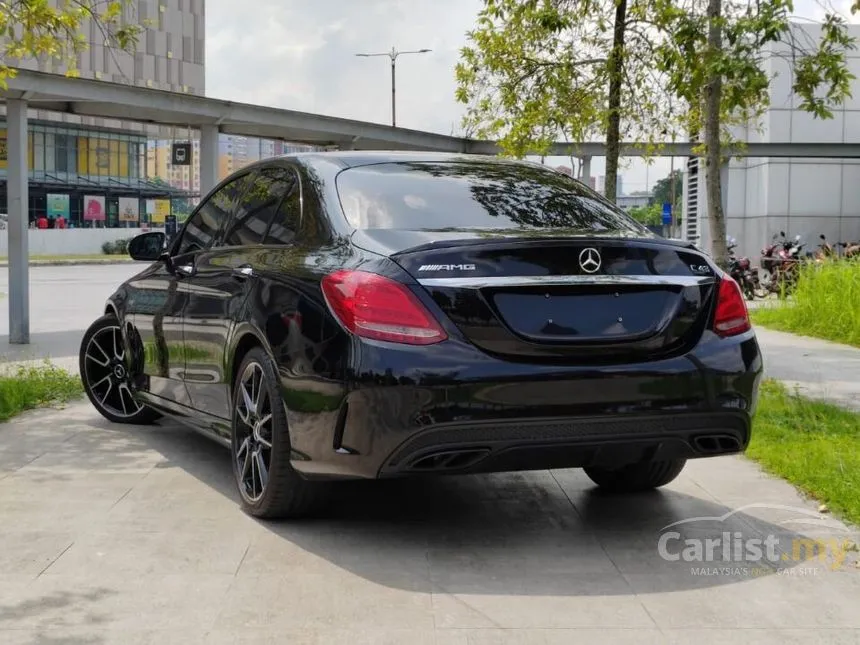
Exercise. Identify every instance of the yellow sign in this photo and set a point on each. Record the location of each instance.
(98, 156)
(162, 210)
(4, 150)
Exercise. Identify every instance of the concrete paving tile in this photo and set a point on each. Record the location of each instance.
(317, 601)
(817, 636)
(634, 636)
(10, 462)
(322, 636)
(52, 515)
(36, 488)
(31, 552)
(527, 554)
(109, 601)
(98, 636)
(548, 602)
(775, 601)
(152, 552)
(311, 548)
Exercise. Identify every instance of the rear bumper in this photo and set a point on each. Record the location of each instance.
(440, 413)
(568, 443)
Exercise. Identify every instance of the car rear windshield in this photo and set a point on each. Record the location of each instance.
(471, 194)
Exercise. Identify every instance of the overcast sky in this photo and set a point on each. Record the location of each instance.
(301, 55)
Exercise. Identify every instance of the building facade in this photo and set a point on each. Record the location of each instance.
(97, 172)
(763, 196)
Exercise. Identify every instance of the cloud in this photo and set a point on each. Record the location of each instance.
(301, 55)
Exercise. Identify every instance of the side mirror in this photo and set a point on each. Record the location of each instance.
(147, 247)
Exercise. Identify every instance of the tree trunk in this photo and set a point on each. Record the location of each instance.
(616, 77)
(713, 148)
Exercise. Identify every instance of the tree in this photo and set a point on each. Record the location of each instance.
(538, 69)
(662, 191)
(651, 215)
(714, 59)
(35, 29)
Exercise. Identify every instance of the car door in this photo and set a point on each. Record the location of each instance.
(224, 277)
(153, 310)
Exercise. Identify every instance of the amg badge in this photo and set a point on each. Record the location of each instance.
(447, 267)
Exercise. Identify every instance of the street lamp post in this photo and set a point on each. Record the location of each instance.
(393, 54)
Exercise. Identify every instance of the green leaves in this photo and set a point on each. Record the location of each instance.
(37, 29)
(539, 71)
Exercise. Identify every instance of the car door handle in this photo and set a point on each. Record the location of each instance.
(243, 272)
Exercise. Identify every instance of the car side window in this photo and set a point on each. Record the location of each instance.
(259, 206)
(207, 222)
(287, 220)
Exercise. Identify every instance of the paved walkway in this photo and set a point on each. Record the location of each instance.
(817, 368)
(134, 536)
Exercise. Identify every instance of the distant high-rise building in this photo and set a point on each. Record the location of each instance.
(170, 53)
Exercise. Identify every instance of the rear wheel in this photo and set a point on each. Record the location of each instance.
(269, 485)
(637, 477)
(106, 377)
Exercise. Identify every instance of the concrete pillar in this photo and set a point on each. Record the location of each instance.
(586, 171)
(18, 205)
(208, 158)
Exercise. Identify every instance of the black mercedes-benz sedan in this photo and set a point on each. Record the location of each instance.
(366, 315)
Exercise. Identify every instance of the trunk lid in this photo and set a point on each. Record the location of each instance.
(552, 297)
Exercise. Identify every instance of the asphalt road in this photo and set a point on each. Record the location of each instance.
(64, 300)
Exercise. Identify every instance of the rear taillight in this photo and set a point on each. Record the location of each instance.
(731, 317)
(372, 306)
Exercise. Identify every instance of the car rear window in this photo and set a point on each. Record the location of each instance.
(482, 195)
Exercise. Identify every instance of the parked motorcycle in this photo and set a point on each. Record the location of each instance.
(743, 272)
(780, 263)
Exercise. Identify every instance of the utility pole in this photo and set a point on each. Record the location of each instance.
(393, 54)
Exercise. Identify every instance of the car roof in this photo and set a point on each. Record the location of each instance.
(352, 158)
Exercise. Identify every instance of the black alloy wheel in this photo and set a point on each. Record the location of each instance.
(268, 484)
(106, 376)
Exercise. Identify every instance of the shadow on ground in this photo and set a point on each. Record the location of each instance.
(539, 533)
(43, 344)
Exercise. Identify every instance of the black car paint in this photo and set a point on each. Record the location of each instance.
(353, 403)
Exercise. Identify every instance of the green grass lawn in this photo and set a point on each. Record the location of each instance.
(33, 387)
(824, 304)
(815, 446)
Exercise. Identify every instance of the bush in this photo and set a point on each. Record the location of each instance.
(117, 247)
(121, 247)
(824, 303)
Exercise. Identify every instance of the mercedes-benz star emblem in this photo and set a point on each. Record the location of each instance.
(589, 260)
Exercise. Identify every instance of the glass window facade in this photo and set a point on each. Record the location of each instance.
(88, 177)
(80, 156)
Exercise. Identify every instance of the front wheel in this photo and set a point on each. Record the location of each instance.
(106, 377)
(268, 484)
(637, 477)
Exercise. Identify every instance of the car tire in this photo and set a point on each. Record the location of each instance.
(106, 377)
(636, 477)
(260, 443)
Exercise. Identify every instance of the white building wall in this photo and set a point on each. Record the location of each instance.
(70, 241)
(799, 196)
